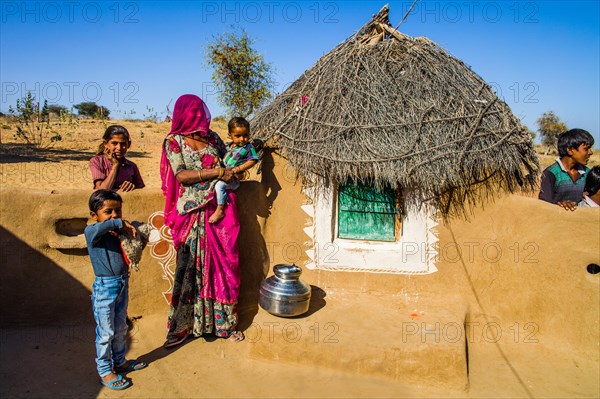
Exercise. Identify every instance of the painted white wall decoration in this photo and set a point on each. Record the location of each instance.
(414, 252)
(162, 249)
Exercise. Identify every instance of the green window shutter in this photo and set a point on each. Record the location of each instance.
(364, 213)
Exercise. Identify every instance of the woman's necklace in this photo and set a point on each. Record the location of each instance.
(199, 139)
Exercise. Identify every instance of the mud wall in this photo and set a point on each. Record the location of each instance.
(514, 274)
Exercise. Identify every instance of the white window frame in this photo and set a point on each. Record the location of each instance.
(414, 252)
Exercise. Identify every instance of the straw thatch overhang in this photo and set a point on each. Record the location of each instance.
(389, 109)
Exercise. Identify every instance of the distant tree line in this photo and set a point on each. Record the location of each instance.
(92, 110)
(29, 105)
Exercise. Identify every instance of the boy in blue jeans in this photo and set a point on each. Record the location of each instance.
(241, 156)
(563, 181)
(110, 291)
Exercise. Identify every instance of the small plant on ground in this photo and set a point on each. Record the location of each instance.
(40, 127)
(151, 115)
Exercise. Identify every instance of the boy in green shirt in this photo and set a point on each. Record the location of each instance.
(563, 181)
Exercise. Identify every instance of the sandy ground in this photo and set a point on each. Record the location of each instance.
(199, 368)
(273, 362)
(65, 164)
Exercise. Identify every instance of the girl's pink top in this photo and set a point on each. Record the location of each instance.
(100, 167)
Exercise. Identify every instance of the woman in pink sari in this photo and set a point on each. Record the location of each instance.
(207, 276)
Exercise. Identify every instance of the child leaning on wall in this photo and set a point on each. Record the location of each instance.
(110, 290)
(110, 169)
(563, 181)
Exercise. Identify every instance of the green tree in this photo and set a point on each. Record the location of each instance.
(550, 126)
(241, 76)
(57, 109)
(92, 110)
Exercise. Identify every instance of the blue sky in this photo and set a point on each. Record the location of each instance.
(133, 56)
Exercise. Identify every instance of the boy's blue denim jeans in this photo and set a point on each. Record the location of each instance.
(110, 296)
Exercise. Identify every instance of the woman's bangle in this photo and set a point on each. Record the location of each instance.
(221, 172)
(200, 175)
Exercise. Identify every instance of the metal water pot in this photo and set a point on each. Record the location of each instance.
(284, 294)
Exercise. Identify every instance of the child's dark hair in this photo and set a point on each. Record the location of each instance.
(112, 130)
(572, 139)
(592, 181)
(238, 121)
(99, 196)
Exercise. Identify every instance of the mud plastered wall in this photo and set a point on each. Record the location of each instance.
(512, 280)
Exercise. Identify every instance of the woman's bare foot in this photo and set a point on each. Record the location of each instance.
(236, 336)
(218, 215)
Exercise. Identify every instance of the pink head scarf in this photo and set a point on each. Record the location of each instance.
(190, 115)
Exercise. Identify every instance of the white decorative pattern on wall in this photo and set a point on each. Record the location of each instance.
(162, 249)
(415, 251)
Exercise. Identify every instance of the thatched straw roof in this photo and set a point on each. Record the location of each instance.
(389, 109)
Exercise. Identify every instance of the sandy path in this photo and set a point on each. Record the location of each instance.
(66, 163)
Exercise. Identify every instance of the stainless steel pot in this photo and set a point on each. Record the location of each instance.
(284, 294)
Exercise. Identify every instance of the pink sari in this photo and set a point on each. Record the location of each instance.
(207, 276)
(222, 278)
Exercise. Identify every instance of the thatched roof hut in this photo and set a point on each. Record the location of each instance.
(389, 109)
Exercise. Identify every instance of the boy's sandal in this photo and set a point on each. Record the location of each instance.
(236, 336)
(134, 365)
(169, 343)
(111, 384)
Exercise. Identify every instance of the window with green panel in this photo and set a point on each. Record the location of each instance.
(365, 213)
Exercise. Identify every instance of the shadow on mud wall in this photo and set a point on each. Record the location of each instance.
(254, 257)
(34, 290)
(268, 181)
